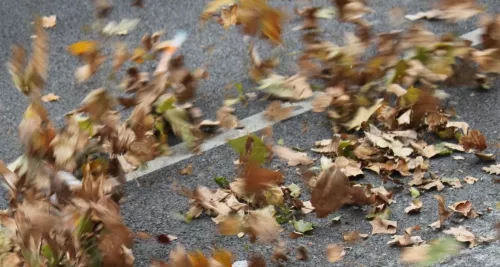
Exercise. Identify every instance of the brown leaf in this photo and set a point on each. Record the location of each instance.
(335, 252)
(464, 208)
(275, 112)
(444, 214)
(462, 235)
(262, 226)
(50, 97)
(331, 191)
(473, 140)
(381, 226)
(257, 17)
(143, 235)
(294, 158)
(415, 206)
(470, 179)
(406, 239)
(321, 102)
(302, 254)
(257, 179)
(228, 16)
(352, 237)
(49, 22)
(226, 118)
(188, 170)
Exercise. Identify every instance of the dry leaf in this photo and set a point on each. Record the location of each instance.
(444, 214)
(228, 16)
(380, 226)
(335, 252)
(462, 235)
(50, 97)
(49, 22)
(294, 158)
(492, 169)
(406, 239)
(188, 170)
(405, 118)
(470, 179)
(415, 206)
(143, 235)
(82, 47)
(464, 208)
(473, 140)
(276, 112)
(362, 115)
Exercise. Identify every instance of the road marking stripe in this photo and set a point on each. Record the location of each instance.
(252, 124)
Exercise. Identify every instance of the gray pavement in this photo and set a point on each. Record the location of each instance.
(151, 207)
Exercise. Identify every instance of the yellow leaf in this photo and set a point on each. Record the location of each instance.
(82, 47)
(214, 6)
(138, 55)
(224, 257)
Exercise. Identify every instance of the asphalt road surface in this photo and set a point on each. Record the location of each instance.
(151, 206)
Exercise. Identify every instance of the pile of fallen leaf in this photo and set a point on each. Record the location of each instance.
(66, 187)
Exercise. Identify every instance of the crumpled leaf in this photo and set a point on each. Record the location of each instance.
(381, 226)
(415, 206)
(473, 140)
(464, 208)
(294, 190)
(406, 239)
(462, 235)
(444, 214)
(333, 190)
(228, 16)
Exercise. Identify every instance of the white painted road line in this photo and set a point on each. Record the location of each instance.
(474, 36)
(252, 124)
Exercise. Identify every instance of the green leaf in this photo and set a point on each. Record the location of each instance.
(294, 190)
(231, 101)
(336, 219)
(281, 142)
(441, 249)
(443, 150)
(259, 150)
(302, 226)
(498, 205)
(180, 124)
(414, 192)
(284, 215)
(385, 214)
(222, 182)
(411, 97)
(165, 105)
(47, 252)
